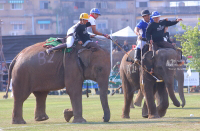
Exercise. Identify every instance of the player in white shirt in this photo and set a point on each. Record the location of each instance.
(94, 14)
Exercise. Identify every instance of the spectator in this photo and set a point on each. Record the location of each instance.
(125, 46)
(115, 47)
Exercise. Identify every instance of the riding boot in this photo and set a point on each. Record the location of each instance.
(58, 47)
(137, 55)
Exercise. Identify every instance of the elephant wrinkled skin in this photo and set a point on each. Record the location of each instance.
(33, 71)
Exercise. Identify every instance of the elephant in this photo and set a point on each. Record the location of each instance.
(135, 77)
(34, 71)
(117, 56)
(179, 76)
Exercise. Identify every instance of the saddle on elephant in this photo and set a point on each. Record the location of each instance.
(53, 42)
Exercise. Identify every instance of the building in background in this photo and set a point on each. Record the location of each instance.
(188, 10)
(44, 17)
(41, 17)
(28, 17)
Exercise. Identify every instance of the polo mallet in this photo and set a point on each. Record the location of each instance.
(157, 80)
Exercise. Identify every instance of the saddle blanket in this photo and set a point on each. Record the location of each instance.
(54, 42)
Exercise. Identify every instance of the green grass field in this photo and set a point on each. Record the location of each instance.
(175, 118)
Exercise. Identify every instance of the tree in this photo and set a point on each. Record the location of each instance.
(190, 42)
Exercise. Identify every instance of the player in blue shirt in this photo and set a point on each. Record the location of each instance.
(140, 31)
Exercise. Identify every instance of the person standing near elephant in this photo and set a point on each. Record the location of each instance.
(142, 25)
(155, 31)
(78, 33)
(94, 14)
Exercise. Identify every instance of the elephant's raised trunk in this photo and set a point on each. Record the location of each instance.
(104, 100)
(171, 94)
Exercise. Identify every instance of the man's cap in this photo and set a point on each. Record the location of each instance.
(145, 12)
(155, 14)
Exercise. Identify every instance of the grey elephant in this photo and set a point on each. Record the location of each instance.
(33, 71)
(134, 77)
(179, 76)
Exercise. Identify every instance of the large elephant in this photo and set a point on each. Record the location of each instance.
(132, 81)
(33, 71)
(179, 76)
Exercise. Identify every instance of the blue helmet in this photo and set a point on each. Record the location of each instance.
(95, 10)
(155, 14)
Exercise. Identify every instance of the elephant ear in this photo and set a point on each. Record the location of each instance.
(147, 60)
(85, 55)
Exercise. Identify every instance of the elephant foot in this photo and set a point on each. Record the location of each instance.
(41, 117)
(145, 116)
(79, 120)
(18, 121)
(125, 116)
(132, 106)
(68, 114)
(106, 118)
(137, 104)
(162, 113)
(153, 116)
(144, 113)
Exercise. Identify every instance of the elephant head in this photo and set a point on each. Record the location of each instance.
(163, 65)
(96, 66)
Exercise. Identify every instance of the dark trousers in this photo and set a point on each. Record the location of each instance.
(162, 44)
(165, 44)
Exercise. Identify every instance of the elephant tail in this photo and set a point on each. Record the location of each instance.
(9, 76)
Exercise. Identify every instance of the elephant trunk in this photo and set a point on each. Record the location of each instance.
(171, 93)
(104, 100)
(180, 79)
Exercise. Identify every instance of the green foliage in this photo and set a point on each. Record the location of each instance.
(190, 41)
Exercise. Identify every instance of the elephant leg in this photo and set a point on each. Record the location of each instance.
(40, 114)
(132, 105)
(19, 98)
(75, 94)
(145, 110)
(128, 97)
(161, 97)
(149, 91)
(138, 99)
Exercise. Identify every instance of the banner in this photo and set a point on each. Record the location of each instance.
(193, 79)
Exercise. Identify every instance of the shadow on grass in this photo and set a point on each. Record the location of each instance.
(136, 122)
(188, 118)
(189, 108)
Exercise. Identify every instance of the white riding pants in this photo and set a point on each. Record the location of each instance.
(140, 44)
(70, 41)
